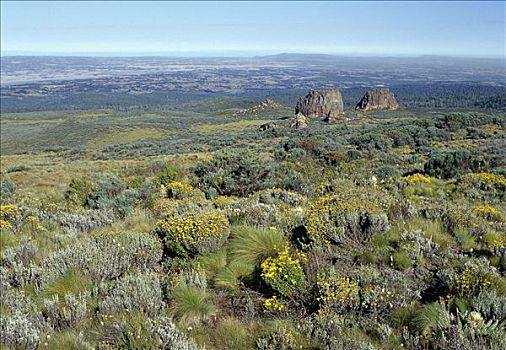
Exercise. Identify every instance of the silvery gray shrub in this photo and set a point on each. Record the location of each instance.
(86, 221)
(490, 305)
(21, 323)
(170, 337)
(104, 257)
(17, 268)
(67, 313)
(18, 332)
(138, 291)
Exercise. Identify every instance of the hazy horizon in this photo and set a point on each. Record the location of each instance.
(231, 54)
(245, 29)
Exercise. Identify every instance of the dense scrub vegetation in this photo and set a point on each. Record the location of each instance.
(421, 95)
(385, 232)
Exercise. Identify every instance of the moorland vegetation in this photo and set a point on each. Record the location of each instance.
(387, 231)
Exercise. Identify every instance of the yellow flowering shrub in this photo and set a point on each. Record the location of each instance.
(10, 215)
(488, 212)
(421, 185)
(5, 225)
(194, 233)
(179, 190)
(166, 207)
(340, 289)
(417, 178)
(344, 292)
(9, 212)
(471, 281)
(483, 186)
(274, 304)
(484, 180)
(333, 218)
(224, 202)
(284, 272)
(495, 241)
(466, 218)
(230, 204)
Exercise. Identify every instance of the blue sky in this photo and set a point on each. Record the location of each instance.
(360, 28)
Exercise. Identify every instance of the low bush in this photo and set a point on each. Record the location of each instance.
(231, 173)
(483, 186)
(450, 164)
(140, 291)
(192, 233)
(284, 272)
(87, 221)
(167, 175)
(7, 188)
(334, 219)
(79, 190)
(103, 257)
(470, 281)
(67, 313)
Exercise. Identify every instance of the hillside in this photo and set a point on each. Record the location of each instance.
(188, 228)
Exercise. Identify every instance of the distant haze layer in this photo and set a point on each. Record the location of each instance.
(126, 28)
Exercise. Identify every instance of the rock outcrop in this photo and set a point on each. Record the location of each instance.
(299, 122)
(265, 127)
(267, 104)
(326, 104)
(378, 99)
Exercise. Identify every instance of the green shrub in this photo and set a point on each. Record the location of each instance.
(167, 175)
(79, 190)
(110, 185)
(372, 141)
(402, 260)
(452, 163)
(232, 173)
(386, 172)
(135, 182)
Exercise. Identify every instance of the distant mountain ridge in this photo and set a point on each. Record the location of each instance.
(420, 59)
